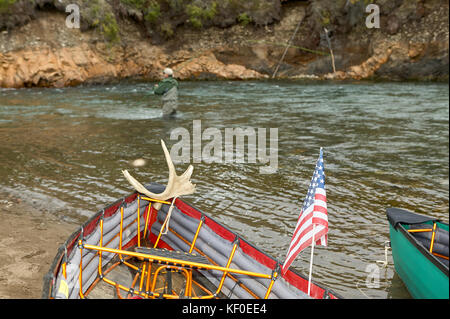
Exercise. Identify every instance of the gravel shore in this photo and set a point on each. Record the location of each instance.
(29, 240)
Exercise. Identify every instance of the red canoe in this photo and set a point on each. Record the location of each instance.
(124, 252)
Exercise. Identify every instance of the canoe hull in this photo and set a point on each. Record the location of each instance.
(422, 274)
(76, 269)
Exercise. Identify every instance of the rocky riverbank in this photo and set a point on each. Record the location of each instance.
(220, 40)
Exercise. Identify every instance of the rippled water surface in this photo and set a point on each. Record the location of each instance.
(385, 144)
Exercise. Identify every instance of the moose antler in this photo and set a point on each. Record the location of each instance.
(176, 186)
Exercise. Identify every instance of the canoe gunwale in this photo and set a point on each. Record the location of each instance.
(71, 241)
(50, 278)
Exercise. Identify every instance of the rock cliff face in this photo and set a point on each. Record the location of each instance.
(227, 39)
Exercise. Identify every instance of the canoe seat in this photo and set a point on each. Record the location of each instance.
(173, 254)
(441, 240)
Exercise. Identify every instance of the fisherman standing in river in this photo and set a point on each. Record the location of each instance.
(168, 88)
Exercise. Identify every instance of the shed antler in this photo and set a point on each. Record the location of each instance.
(176, 186)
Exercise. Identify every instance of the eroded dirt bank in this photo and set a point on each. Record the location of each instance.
(38, 49)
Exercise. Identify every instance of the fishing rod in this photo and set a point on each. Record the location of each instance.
(145, 95)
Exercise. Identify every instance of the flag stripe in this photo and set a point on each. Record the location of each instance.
(302, 246)
(320, 209)
(321, 191)
(321, 197)
(304, 237)
(307, 215)
(307, 243)
(313, 218)
(304, 223)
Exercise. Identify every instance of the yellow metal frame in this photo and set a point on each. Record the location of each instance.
(433, 230)
(167, 263)
(181, 262)
(238, 282)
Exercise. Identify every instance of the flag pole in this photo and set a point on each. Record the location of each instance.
(311, 261)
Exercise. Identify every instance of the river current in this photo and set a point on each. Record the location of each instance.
(384, 145)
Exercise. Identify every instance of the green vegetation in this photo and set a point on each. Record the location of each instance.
(158, 17)
(153, 12)
(4, 5)
(166, 29)
(366, 2)
(197, 15)
(110, 28)
(326, 17)
(244, 19)
(164, 16)
(177, 5)
(103, 19)
(138, 4)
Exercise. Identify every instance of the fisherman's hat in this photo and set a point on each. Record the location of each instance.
(168, 71)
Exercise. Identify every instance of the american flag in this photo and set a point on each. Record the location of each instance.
(313, 217)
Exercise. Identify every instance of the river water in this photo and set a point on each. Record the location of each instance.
(385, 145)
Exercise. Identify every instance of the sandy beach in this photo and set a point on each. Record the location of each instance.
(29, 240)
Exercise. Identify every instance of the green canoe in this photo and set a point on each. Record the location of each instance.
(420, 251)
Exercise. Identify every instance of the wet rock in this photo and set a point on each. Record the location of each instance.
(416, 50)
(368, 68)
(69, 66)
(392, 24)
(208, 67)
